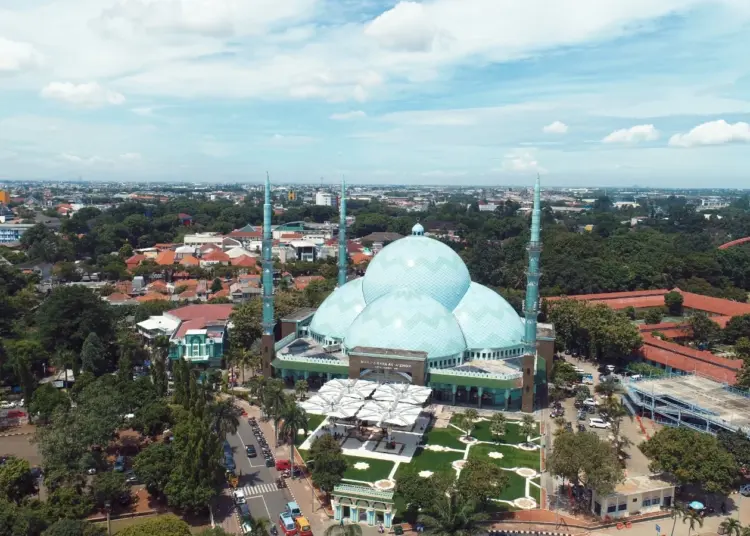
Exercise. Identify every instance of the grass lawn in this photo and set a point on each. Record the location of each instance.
(313, 421)
(512, 457)
(378, 470)
(515, 489)
(446, 437)
(429, 460)
(512, 432)
(536, 493)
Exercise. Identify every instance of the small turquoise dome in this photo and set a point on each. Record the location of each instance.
(417, 230)
(406, 320)
(338, 310)
(487, 320)
(421, 264)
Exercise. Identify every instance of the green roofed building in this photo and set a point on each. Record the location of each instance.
(417, 317)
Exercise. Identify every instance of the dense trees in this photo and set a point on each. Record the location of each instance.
(582, 458)
(328, 462)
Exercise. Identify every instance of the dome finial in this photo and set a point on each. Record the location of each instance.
(417, 230)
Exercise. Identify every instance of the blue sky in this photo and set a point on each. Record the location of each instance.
(585, 92)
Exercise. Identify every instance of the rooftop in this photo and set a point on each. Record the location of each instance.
(640, 484)
(728, 405)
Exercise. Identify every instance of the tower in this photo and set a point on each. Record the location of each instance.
(531, 303)
(342, 235)
(268, 323)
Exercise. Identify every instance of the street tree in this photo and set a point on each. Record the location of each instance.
(108, 487)
(153, 465)
(293, 419)
(16, 480)
(73, 527)
(166, 525)
(527, 427)
(328, 463)
(225, 417)
(352, 529)
(153, 418)
(453, 513)
(45, 401)
(583, 459)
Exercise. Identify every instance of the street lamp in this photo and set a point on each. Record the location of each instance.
(108, 508)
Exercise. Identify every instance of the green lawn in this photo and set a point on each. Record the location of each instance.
(536, 493)
(429, 460)
(313, 421)
(446, 437)
(512, 457)
(378, 470)
(515, 489)
(512, 432)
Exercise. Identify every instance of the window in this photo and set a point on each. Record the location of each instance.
(611, 508)
(195, 349)
(646, 502)
(621, 507)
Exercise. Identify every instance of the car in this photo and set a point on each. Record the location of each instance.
(244, 512)
(292, 508)
(7, 405)
(590, 402)
(130, 477)
(91, 471)
(286, 523)
(251, 452)
(283, 465)
(599, 423)
(120, 464)
(247, 528)
(239, 496)
(745, 490)
(303, 526)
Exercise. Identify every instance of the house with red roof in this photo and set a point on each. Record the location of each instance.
(134, 261)
(165, 258)
(215, 257)
(197, 333)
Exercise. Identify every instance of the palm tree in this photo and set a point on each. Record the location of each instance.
(259, 526)
(463, 423)
(677, 512)
(293, 418)
(225, 417)
(528, 427)
(352, 529)
(731, 526)
(453, 515)
(692, 518)
(745, 531)
(498, 424)
(300, 388)
(273, 401)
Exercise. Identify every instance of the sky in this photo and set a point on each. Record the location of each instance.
(583, 92)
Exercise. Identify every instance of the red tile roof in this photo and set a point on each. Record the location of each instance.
(223, 293)
(245, 234)
(165, 258)
(690, 360)
(245, 261)
(359, 258)
(151, 296)
(620, 300)
(301, 282)
(292, 235)
(211, 312)
(189, 260)
(135, 260)
(216, 255)
(118, 297)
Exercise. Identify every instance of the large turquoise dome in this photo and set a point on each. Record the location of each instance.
(421, 264)
(338, 311)
(487, 320)
(407, 320)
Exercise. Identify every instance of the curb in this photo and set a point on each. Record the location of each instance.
(13, 434)
(534, 532)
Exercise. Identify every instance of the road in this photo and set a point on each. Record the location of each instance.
(264, 499)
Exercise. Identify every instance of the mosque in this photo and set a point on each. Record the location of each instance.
(416, 317)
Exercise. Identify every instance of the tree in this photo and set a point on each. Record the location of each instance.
(653, 316)
(498, 424)
(328, 463)
(216, 285)
(673, 301)
(73, 527)
(293, 419)
(528, 427)
(67, 317)
(481, 480)
(705, 331)
(93, 355)
(153, 465)
(742, 348)
(45, 401)
(731, 526)
(300, 388)
(737, 444)
(452, 513)
(464, 422)
(563, 373)
(153, 418)
(167, 525)
(246, 324)
(692, 458)
(215, 531)
(225, 417)
(69, 502)
(259, 526)
(693, 519)
(352, 529)
(274, 400)
(16, 480)
(108, 487)
(582, 458)
(416, 494)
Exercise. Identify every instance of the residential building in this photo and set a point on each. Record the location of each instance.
(12, 232)
(201, 239)
(325, 199)
(304, 250)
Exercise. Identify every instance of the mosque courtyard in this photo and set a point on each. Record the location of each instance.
(427, 442)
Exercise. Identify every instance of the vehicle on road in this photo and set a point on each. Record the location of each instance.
(239, 496)
(590, 402)
(247, 528)
(303, 526)
(745, 490)
(7, 405)
(599, 423)
(292, 508)
(130, 477)
(283, 465)
(286, 522)
(251, 452)
(244, 512)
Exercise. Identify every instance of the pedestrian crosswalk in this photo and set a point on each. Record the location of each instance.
(260, 489)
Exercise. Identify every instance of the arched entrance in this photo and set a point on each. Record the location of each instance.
(385, 376)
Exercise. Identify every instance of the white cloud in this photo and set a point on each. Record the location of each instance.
(405, 27)
(130, 157)
(522, 161)
(635, 134)
(89, 95)
(15, 56)
(84, 160)
(349, 116)
(282, 139)
(713, 133)
(556, 127)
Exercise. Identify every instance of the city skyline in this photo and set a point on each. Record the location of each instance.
(484, 92)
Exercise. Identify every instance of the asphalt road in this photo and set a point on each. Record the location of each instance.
(264, 499)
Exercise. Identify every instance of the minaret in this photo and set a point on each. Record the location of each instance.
(342, 235)
(531, 304)
(268, 322)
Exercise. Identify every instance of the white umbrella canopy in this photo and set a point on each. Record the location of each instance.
(337, 407)
(394, 414)
(402, 392)
(353, 388)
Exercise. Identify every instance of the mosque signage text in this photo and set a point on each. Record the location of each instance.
(385, 364)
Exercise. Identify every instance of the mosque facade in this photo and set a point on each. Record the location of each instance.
(416, 317)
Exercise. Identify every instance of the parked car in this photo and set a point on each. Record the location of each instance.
(120, 464)
(590, 402)
(7, 405)
(251, 452)
(599, 423)
(238, 496)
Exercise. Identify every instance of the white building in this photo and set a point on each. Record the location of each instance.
(486, 206)
(201, 239)
(634, 496)
(325, 199)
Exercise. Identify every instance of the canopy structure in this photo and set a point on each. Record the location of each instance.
(339, 407)
(389, 413)
(403, 393)
(352, 388)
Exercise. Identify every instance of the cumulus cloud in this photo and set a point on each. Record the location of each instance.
(405, 27)
(349, 116)
(635, 134)
(556, 127)
(85, 160)
(713, 133)
(15, 56)
(521, 160)
(88, 95)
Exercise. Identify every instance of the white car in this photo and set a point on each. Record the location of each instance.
(7, 405)
(239, 496)
(599, 423)
(590, 402)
